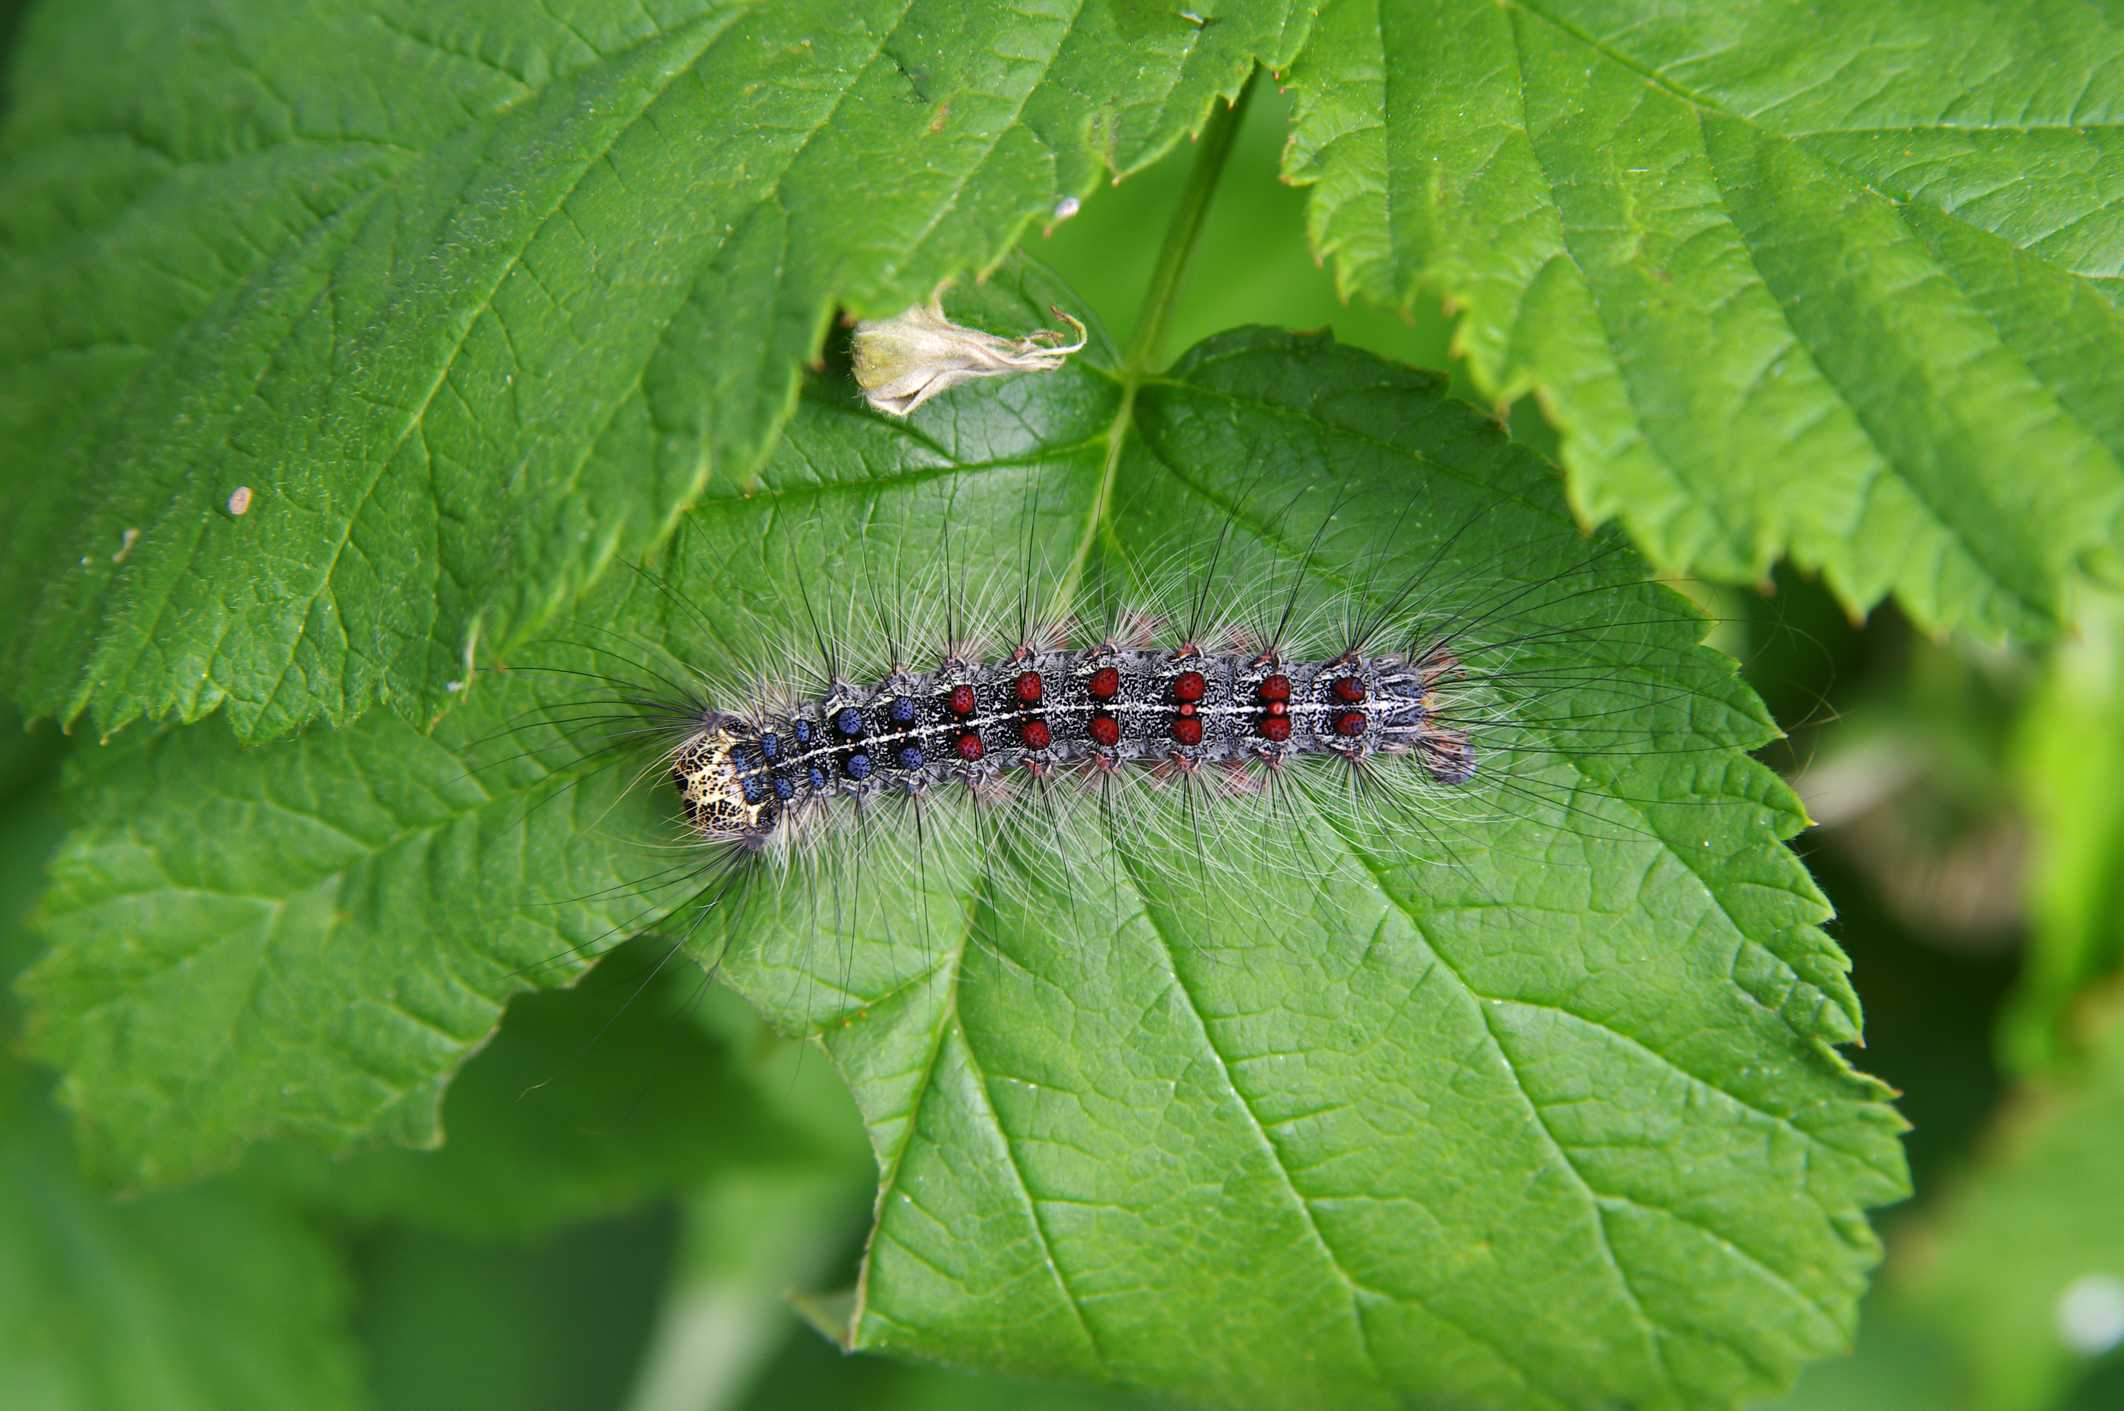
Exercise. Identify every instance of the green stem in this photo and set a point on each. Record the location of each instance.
(1211, 150)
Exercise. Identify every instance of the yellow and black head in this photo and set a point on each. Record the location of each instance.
(730, 795)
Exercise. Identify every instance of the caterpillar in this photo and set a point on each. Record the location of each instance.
(1123, 701)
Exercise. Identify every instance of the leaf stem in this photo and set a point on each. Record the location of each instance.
(1212, 148)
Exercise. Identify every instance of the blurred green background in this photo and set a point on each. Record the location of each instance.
(1972, 812)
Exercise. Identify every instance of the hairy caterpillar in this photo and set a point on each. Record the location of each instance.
(1121, 701)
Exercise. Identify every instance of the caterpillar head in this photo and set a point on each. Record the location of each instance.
(726, 793)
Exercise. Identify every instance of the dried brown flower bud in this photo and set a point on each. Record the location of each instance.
(902, 362)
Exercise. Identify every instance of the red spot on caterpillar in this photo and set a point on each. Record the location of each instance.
(1104, 730)
(1273, 727)
(1349, 690)
(968, 745)
(1277, 708)
(1274, 688)
(1034, 733)
(1187, 710)
(961, 700)
(1027, 688)
(1188, 686)
(1350, 722)
(1188, 730)
(1105, 684)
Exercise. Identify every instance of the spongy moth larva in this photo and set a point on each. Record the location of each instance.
(1096, 708)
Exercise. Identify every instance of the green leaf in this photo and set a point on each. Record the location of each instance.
(211, 1300)
(208, 1300)
(474, 300)
(1151, 1117)
(301, 943)
(1842, 284)
(200, 1301)
(1553, 1121)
